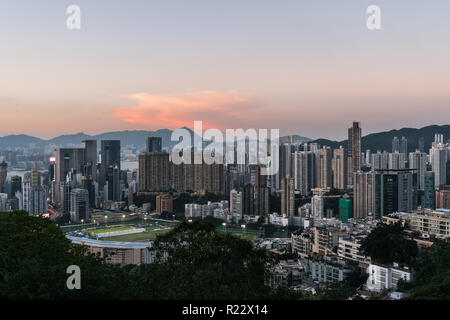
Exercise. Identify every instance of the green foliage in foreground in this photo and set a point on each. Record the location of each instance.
(202, 264)
(432, 278)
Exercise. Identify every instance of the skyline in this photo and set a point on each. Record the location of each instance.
(364, 134)
(296, 67)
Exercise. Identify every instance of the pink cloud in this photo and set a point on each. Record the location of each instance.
(215, 109)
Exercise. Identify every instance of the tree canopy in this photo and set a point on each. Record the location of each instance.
(193, 261)
(387, 243)
(432, 273)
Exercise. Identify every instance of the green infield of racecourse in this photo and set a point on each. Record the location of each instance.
(108, 230)
(150, 234)
(153, 232)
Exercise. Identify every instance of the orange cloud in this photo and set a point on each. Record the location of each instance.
(215, 109)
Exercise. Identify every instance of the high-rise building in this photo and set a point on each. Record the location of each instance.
(287, 196)
(261, 193)
(438, 156)
(404, 145)
(438, 138)
(90, 164)
(3, 175)
(249, 200)
(354, 151)
(236, 205)
(154, 172)
(418, 161)
(201, 177)
(339, 167)
(15, 186)
(368, 158)
(396, 191)
(304, 171)
(164, 203)
(364, 194)
(35, 177)
(397, 161)
(421, 144)
(318, 207)
(79, 205)
(34, 197)
(428, 199)
(110, 160)
(154, 144)
(395, 145)
(380, 160)
(324, 173)
(345, 209)
(111, 189)
(4, 202)
(384, 192)
(66, 160)
(443, 198)
(286, 164)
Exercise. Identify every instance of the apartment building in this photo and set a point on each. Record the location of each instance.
(432, 222)
(386, 277)
(349, 248)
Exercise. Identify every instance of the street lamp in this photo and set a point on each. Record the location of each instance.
(243, 227)
(190, 220)
(224, 224)
(106, 221)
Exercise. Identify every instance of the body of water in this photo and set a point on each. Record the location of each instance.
(125, 165)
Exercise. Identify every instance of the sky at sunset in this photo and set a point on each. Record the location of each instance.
(306, 67)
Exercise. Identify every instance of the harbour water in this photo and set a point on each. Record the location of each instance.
(125, 165)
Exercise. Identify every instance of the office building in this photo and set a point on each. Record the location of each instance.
(90, 161)
(3, 175)
(79, 205)
(110, 170)
(154, 144)
(428, 199)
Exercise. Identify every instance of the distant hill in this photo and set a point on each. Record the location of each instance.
(20, 140)
(294, 138)
(136, 137)
(375, 141)
(383, 140)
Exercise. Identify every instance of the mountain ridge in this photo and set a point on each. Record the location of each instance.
(374, 141)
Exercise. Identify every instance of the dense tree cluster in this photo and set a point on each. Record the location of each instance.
(432, 273)
(387, 243)
(198, 263)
